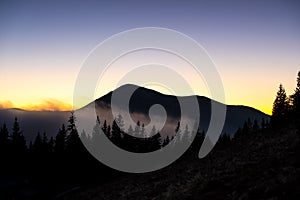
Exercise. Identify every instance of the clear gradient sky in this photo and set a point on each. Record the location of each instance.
(255, 44)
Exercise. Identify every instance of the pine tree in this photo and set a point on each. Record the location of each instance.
(51, 145)
(73, 142)
(4, 141)
(153, 131)
(18, 139)
(130, 130)
(104, 127)
(177, 130)
(156, 142)
(96, 132)
(178, 135)
(60, 139)
(4, 136)
(120, 122)
(166, 141)
(38, 143)
(108, 131)
(128, 140)
(263, 123)
(137, 129)
(186, 135)
(143, 133)
(45, 139)
(238, 133)
(115, 133)
(255, 126)
(281, 103)
(246, 128)
(295, 98)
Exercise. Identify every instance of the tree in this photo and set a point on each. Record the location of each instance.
(246, 128)
(104, 127)
(130, 130)
(50, 145)
(154, 142)
(166, 141)
(255, 126)
(177, 130)
(137, 128)
(186, 135)
(4, 141)
(45, 139)
(177, 133)
(60, 139)
(143, 133)
(73, 142)
(38, 143)
(3, 137)
(128, 141)
(263, 123)
(18, 139)
(96, 132)
(295, 98)
(108, 131)
(281, 103)
(153, 131)
(116, 130)
(120, 122)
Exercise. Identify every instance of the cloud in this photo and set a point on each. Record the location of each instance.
(49, 105)
(6, 104)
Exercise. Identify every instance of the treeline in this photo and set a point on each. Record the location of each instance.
(134, 139)
(62, 159)
(286, 109)
(65, 158)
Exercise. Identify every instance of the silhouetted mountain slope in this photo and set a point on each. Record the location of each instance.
(142, 99)
(261, 165)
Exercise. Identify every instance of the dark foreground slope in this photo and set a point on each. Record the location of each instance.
(261, 165)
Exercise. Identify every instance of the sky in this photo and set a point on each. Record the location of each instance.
(43, 44)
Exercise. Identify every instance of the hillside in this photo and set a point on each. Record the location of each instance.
(262, 165)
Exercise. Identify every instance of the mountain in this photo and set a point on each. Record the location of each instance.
(142, 99)
(140, 102)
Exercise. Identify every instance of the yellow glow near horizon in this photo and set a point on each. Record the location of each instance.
(57, 93)
(52, 89)
(261, 101)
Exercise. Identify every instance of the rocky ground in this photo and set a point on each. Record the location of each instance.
(262, 165)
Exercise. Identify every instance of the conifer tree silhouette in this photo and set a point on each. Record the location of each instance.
(60, 140)
(295, 100)
(4, 140)
(280, 105)
(18, 140)
(96, 132)
(116, 130)
(73, 142)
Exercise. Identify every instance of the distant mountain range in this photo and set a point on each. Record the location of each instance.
(142, 99)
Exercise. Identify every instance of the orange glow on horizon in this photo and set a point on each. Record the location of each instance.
(44, 105)
(57, 105)
(6, 104)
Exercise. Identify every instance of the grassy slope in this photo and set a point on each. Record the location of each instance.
(264, 165)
